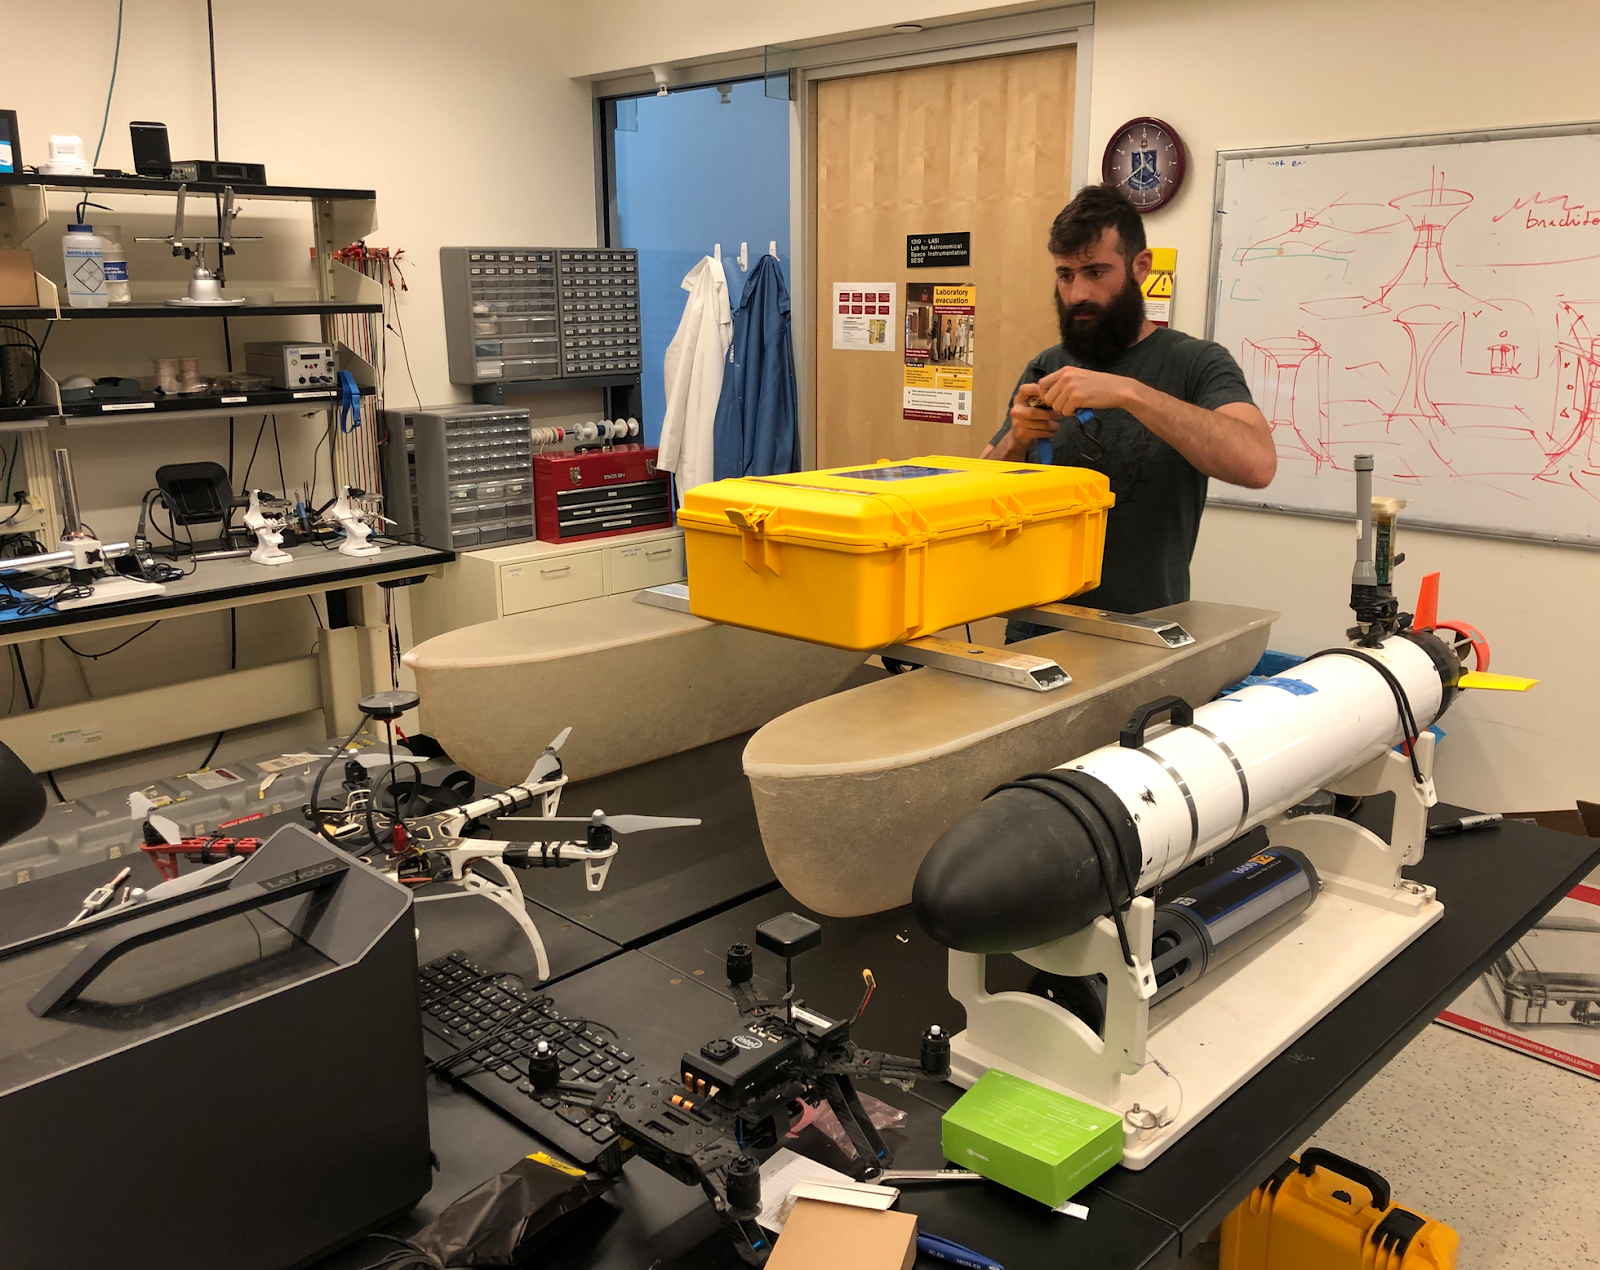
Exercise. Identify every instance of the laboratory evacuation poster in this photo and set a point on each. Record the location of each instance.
(863, 316)
(1542, 996)
(1158, 286)
(939, 349)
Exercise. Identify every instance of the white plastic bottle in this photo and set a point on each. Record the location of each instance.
(86, 274)
(115, 262)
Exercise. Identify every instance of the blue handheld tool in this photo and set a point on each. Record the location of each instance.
(954, 1254)
(1046, 455)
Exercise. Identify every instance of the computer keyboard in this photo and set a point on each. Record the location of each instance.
(480, 1027)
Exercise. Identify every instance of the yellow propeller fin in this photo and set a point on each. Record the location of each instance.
(1501, 683)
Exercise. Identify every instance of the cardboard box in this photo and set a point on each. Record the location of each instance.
(1583, 820)
(1032, 1139)
(17, 284)
(823, 1236)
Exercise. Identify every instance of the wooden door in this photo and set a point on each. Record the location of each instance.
(983, 146)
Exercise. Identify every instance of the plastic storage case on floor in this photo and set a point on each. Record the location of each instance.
(1321, 1212)
(860, 557)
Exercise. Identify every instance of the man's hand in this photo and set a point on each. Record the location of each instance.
(1073, 388)
(1029, 423)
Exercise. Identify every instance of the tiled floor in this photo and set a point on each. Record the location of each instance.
(1502, 1146)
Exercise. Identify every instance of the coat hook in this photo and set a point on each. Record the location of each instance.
(772, 249)
(744, 256)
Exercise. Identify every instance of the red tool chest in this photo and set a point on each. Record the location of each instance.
(598, 493)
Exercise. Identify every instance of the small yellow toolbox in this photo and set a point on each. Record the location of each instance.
(1322, 1212)
(862, 557)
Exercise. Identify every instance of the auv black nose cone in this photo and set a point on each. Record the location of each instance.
(1019, 871)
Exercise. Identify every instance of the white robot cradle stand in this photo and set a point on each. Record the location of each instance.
(268, 531)
(353, 520)
(1159, 1011)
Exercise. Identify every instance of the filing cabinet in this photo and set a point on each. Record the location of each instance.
(494, 582)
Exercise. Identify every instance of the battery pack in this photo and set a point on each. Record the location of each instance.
(1323, 1212)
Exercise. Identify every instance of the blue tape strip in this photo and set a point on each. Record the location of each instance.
(1299, 687)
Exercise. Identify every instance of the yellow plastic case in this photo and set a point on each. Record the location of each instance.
(1322, 1212)
(860, 557)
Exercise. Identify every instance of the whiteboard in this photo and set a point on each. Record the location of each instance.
(1433, 301)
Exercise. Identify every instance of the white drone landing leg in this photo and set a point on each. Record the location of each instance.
(1163, 1069)
(441, 833)
(508, 895)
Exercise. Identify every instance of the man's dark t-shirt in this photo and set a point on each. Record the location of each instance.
(1151, 531)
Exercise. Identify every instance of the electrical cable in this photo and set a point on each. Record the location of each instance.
(407, 1257)
(233, 664)
(411, 796)
(1057, 785)
(210, 754)
(283, 481)
(311, 498)
(866, 997)
(116, 56)
(36, 347)
(1162, 1068)
(211, 45)
(22, 673)
(400, 330)
(167, 533)
(245, 480)
(27, 693)
(315, 807)
(62, 639)
(1408, 720)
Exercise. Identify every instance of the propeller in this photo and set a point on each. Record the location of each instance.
(549, 761)
(617, 824)
(141, 808)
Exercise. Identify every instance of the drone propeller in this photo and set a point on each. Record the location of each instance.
(548, 761)
(617, 824)
(141, 808)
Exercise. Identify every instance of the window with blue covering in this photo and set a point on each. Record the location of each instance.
(698, 167)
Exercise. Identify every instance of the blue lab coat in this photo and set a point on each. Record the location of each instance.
(757, 427)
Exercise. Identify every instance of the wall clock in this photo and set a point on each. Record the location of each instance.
(1144, 159)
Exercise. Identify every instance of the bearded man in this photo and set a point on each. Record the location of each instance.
(1170, 411)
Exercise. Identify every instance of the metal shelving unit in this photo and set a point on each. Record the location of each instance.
(39, 313)
(155, 185)
(339, 217)
(201, 405)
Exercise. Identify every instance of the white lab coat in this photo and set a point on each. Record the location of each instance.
(693, 370)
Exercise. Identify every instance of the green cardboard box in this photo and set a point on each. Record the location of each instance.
(1032, 1139)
